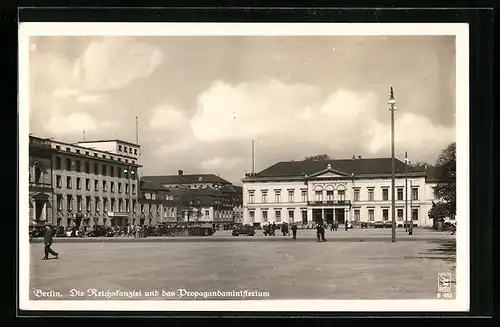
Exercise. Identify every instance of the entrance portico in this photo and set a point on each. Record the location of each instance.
(330, 214)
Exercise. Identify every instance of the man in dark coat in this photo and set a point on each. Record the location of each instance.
(294, 231)
(318, 232)
(273, 229)
(322, 232)
(47, 240)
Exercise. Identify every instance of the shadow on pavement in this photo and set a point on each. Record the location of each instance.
(446, 250)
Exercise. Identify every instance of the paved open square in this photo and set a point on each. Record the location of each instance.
(278, 270)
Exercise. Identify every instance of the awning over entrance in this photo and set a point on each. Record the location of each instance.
(40, 196)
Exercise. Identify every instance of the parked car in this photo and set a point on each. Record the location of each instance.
(242, 230)
(101, 231)
(378, 224)
(364, 224)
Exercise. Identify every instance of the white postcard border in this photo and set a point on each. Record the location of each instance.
(460, 30)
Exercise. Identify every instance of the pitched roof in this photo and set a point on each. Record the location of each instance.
(356, 166)
(231, 189)
(185, 179)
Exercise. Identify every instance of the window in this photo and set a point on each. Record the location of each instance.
(277, 196)
(112, 171)
(133, 188)
(68, 164)
(290, 215)
(277, 214)
(58, 162)
(304, 196)
(125, 148)
(68, 182)
(356, 215)
(147, 196)
(414, 194)
(251, 197)
(135, 151)
(356, 195)
(96, 185)
(329, 195)
(370, 194)
(290, 196)
(252, 216)
(78, 183)
(87, 184)
(58, 181)
(134, 203)
(400, 194)
(79, 203)
(112, 187)
(264, 196)
(104, 170)
(77, 151)
(120, 205)
(371, 215)
(126, 188)
(119, 147)
(88, 205)
(113, 205)
(129, 150)
(58, 147)
(341, 194)
(87, 152)
(385, 194)
(304, 216)
(264, 216)
(414, 214)
(400, 214)
(119, 187)
(119, 172)
(385, 214)
(96, 169)
(59, 202)
(68, 149)
(104, 186)
(97, 203)
(127, 205)
(207, 213)
(319, 195)
(142, 208)
(105, 204)
(77, 166)
(87, 167)
(435, 191)
(69, 203)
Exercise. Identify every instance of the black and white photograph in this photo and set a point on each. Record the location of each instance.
(243, 167)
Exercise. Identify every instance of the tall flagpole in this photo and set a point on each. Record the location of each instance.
(392, 108)
(406, 191)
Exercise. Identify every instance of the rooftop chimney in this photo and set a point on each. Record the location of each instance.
(180, 172)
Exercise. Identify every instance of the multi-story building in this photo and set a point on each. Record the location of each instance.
(40, 180)
(92, 184)
(337, 190)
(183, 198)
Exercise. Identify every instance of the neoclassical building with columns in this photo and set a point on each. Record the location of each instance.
(357, 190)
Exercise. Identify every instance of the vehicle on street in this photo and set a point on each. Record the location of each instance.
(378, 224)
(244, 230)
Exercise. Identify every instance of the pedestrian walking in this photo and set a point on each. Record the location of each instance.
(273, 229)
(335, 225)
(318, 232)
(294, 231)
(322, 231)
(47, 240)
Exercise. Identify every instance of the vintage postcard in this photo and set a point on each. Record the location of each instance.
(244, 167)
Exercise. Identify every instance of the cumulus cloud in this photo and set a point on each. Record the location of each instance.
(167, 118)
(300, 113)
(75, 123)
(217, 163)
(112, 63)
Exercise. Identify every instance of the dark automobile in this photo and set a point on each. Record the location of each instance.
(242, 230)
(101, 231)
(388, 224)
(378, 224)
(364, 224)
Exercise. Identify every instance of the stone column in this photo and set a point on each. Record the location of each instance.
(323, 215)
(334, 219)
(309, 215)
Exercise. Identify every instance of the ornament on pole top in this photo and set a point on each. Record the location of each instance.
(392, 101)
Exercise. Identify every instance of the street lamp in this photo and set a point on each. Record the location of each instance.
(392, 108)
(406, 191)
(129, 173)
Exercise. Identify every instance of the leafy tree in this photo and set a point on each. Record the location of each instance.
(446, 186)
(318, 157)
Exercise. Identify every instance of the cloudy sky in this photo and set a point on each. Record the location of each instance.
(202, 100)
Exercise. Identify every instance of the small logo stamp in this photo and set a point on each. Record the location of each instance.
(444, 282)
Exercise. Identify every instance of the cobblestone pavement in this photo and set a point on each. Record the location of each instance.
(286, 270)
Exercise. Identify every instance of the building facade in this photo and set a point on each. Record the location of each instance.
(91, 184)
(355, 190)
(40, 181)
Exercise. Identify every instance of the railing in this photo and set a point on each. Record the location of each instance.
(329, 203)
